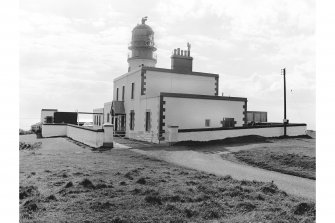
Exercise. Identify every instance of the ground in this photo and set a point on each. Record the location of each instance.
(290, 156)
(61, 181)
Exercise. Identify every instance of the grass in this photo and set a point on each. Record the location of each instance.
(74, 184)
(292, 157)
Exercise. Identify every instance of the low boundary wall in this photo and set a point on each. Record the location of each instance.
(208, 134)
(54, 130)
(95, 138)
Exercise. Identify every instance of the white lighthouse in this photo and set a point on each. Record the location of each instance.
(142, 47)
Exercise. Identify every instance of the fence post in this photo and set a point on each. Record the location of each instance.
(108, 135)
(173, 134)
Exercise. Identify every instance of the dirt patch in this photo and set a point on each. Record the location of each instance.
(304, 209)
(87, 184)
(28, 191)
(29, 146)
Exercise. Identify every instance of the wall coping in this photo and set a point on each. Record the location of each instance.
(85, 128)
(172, 126)
(241, 127)
(54, 124)
(200, 96)
(76, 126)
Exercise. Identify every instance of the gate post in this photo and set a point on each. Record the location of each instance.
(173, 134)
(108, 135)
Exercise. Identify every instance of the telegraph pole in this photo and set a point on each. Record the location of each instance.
(284, 121)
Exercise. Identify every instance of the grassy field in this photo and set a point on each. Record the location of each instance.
(61, 182)
(291, 156)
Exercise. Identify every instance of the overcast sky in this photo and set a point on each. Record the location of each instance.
(71, 50)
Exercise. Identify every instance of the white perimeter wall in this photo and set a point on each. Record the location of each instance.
(91, 138)
(189, 113)
(222, 134)
(54, 130)
(157, 82)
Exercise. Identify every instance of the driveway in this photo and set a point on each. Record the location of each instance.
(213, 163)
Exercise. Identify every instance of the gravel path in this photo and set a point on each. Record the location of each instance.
(213, 163)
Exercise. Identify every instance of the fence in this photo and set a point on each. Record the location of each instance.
(93, 137)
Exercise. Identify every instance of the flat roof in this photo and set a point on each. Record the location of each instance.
(48, 109)
(200, 96)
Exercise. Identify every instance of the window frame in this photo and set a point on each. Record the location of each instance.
(208, 122)
(148, 121)
(132, 120)
(123, 92)
(132, 96)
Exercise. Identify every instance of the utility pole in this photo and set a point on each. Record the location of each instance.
(285, 120)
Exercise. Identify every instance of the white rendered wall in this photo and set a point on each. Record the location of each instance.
(189, 113)
(130, 104)
(54, 130)
(151, 105)
(88, 137)
(222, 134)
(136, 63)
(157, 82)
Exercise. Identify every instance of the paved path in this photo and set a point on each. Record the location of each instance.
(213, 163)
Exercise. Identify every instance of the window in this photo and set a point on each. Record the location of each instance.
(132, 120)
(107, 117)
(207, 123)
(147, 121)
(228, 122)
(123, 89)
(132, 90)
(49, 119)
(117, 94)
(99, 120)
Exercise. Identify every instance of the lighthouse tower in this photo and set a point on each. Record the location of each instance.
(142, 47)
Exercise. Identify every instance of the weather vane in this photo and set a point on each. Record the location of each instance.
(144, 19)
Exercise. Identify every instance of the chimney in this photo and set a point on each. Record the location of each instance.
(181, 61)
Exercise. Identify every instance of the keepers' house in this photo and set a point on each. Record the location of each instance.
(147, 100)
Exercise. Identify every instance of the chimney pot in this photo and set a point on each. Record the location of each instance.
(178, 51)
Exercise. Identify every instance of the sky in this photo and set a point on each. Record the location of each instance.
(71, 50)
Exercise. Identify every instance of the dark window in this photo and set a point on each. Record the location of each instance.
(132, 90)
(132, 120)
(107, 117)
(207, 123)
(147, 121)
(123, 89)
(117, 94)
(228, 122)
(49, 119)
